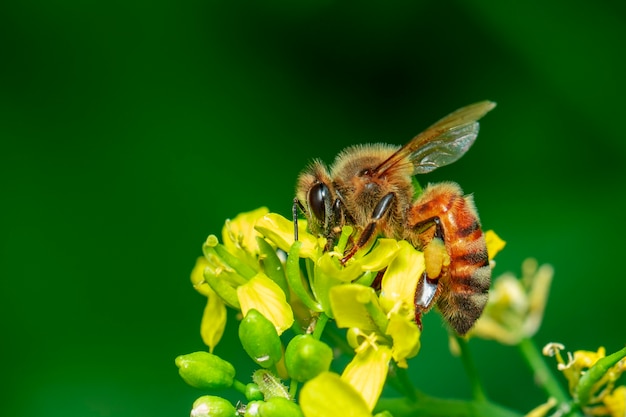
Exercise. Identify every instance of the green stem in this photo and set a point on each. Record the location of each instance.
(438, 407)
(320, 325)
(293, 388)
(239, 386)
(542, 373)
(478, 391)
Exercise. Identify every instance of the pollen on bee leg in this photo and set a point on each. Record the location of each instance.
(435, 257)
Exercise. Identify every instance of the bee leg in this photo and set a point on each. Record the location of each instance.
(381, 209)
(427, 287)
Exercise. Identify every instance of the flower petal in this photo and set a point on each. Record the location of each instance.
(367, 372)
(406, 338)
(348, 303)
(280, 231)
(401, 278)
(213, 320)
(197, 277)
(494, 243)
(264, 295)
(380, 256)
(328, 395)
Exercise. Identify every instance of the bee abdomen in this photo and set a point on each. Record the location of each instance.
(465, 301)
(469, 274)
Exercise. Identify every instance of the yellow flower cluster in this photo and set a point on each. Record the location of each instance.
(246, 272)
(591, 378)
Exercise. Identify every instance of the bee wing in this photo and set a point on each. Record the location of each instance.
(442, 143)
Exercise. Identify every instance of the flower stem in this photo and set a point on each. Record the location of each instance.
(239, 386)
(439, 407)
(478, 392)
(320, 325)
(543, 375)
(293, 388)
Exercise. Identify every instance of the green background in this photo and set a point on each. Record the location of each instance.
(130, 130)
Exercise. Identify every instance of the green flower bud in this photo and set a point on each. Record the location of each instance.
(253, 392)
(253, 409)
(259, 339)
(274, 407)
(210, 406)
(306, 357)
(205, 370)
(280, 407)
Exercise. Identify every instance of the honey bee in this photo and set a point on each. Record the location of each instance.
(371, 188)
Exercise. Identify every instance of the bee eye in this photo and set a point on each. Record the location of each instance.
(317, 200)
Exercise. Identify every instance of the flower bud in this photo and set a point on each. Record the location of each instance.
(259, 339)
(211, 406)
(306, 357)
(253, 409)
(274, 407)
(280, 407)
(253, 392)
(205, 370)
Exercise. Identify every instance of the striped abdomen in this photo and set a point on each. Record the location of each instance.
(463, 284)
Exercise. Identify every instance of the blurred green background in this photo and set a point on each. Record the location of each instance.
(130, 130)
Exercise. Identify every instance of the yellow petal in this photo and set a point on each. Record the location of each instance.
(401, 278)
(494, 243)
(375, 260)
(348, 303)
(406, 338)
(264, 295)
(380, 256)
(328, 395)
(280, 231)
(213, 321)
(197, 277)
(367, 372)
(616, 402)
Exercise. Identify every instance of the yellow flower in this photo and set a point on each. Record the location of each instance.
(239, 235)
(380, 327)
(231, 274)
(615, 402)
(591, 378)
(516, 306)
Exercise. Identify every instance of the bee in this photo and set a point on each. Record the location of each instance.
(372, 188)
